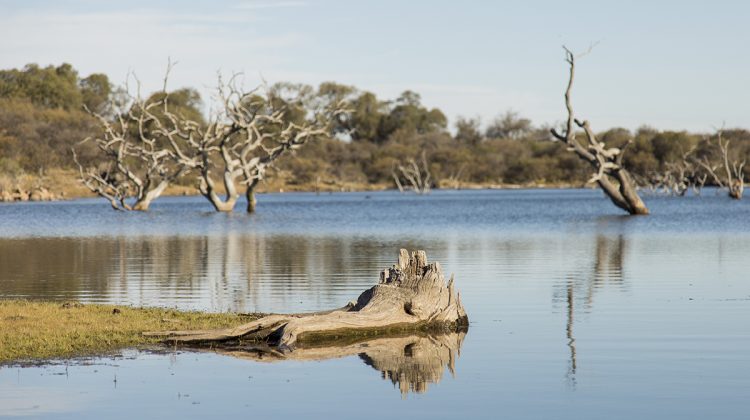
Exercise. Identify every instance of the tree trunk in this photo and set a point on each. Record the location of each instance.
(251, 201)
(411, 296)
(607, 162)
(630, 195)
(736, 188)
(224, 206)
(208, 190)
(144, 202)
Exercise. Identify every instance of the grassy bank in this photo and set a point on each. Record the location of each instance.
(32, 330)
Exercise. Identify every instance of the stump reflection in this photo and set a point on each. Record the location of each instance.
(410, 362)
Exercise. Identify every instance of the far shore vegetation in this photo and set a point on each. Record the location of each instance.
(34, 331)
(43, 117)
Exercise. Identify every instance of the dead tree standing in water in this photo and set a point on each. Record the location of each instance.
(416, 175)
(610, 175)
(734, 175)
(140, 148)
(249, 134)
(679, 176)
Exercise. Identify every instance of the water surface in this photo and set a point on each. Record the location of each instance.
(576, 311)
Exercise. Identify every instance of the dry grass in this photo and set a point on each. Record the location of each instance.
(32, 330)
(65, 184)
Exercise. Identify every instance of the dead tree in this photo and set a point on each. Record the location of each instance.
(140, 148)
(244, 139)
(416, 175)
(679, 176)
(455, 178)
(699, 181)
(733, 177)
(412, 295)
(396, 179)
(609, 173)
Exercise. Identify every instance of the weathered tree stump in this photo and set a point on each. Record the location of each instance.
(411, 295)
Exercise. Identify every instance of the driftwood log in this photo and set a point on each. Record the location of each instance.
(411, 295)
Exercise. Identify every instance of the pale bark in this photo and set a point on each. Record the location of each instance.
(679, 176)
(733, 177)
(416, 174)
(144, 202)
(141, 150)
(411, 295)
(248, 135)
(411, 362)
(609, 172)
(250, 197)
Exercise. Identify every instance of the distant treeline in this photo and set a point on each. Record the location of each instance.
(42, 115)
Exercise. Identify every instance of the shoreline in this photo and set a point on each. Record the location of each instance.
(61, 186)
(39, 331)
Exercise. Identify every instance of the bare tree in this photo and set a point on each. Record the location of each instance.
(679, 176)
(416, 175)
(733, 177)
(140, 148)
(610, 175)
(248, 134)
(455, 178)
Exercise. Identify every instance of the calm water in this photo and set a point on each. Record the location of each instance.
(576, 311)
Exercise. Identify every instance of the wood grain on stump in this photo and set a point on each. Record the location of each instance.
(411, 295)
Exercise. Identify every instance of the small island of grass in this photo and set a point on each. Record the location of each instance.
(41, 330)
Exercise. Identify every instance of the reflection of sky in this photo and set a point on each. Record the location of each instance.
(656, 306)
(386, 215)
(17, 400)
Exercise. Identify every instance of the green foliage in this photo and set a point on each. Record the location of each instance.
(185, 103)
(669, 146)
(39, 138)
(41, 118)
(509, 126)
(407, 114)
(364, 120)
(49, 87)
(468, 130)
(95, 92)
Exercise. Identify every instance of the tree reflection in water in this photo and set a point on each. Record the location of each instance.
(606, 269)
(410, 362)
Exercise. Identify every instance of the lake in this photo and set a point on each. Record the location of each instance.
(576, 311)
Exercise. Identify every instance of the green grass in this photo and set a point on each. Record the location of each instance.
(35, 330)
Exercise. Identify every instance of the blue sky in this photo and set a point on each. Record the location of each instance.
(668, 64)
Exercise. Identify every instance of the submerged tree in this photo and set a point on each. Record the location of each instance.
(677, 176)
(415, 174)
(726, 170)
(249, 133)
(139, 150)
(164, 137)
(610, 175)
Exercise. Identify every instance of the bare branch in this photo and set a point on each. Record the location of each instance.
(142, 149)
(609, 173)
(733, 177)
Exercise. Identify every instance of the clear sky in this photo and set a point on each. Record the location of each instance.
(668, 64)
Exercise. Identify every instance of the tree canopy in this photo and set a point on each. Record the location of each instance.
(41, 118)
